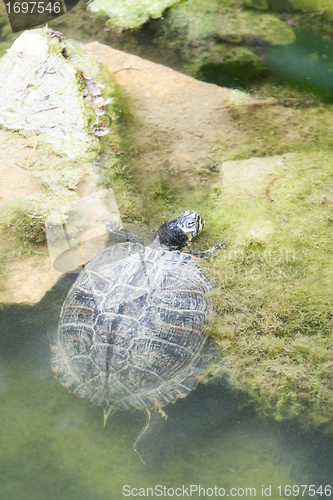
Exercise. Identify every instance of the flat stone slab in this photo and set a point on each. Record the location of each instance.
(250, 177)
(175, 111)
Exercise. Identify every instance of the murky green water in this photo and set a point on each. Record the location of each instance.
(54, 445)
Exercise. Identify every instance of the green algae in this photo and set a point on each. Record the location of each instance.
(257, 4)
(249, 26)
(311, 5)
(129, 13)
(273, 298)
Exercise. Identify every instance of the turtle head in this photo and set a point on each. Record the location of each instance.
(179, 232)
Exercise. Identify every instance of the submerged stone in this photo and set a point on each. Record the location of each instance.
(219, 41)
(130, 13)
(249, 26)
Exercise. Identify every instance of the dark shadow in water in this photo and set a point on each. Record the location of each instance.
(23, 328)
(215, 407)
(231, 75)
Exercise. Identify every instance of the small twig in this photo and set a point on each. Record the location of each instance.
(47, 109)
(271, 101)
(265, 102)
(330, 218)
(24, 90)
(123, 69)
(20, 166)
(17, 119)
(36, 216)
(35, 112)
(31, 152)
(250, 194)
(267, 188)
(41, 64)
(221, 107)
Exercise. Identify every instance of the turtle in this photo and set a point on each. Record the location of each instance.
(131, 330)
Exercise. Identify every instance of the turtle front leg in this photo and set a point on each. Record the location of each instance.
(204, 253)
(117, 232)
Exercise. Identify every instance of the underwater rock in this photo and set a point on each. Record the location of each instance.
(130, 13)
(249, 27)
(50, 86)
(27, 280)
(219, 41)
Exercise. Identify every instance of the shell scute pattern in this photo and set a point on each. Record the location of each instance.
(130, 332)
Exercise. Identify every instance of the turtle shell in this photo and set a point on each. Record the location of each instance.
(131, 328)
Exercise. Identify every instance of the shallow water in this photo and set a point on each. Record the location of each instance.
(54, 445)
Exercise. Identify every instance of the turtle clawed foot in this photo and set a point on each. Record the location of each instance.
(163, 414)
(220, 244)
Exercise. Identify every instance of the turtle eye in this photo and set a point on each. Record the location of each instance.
(191, 224)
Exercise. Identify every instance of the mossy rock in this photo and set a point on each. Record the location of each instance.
(227, 66)
(274, 296)
(58, 174)
(257, 4)
(249, 26)
(130, 13)
(219, 41)
(311, 5)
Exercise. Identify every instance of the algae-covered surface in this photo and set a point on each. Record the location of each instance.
(274, 298)
(129, 13)
(273, 283)
(41, 91)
